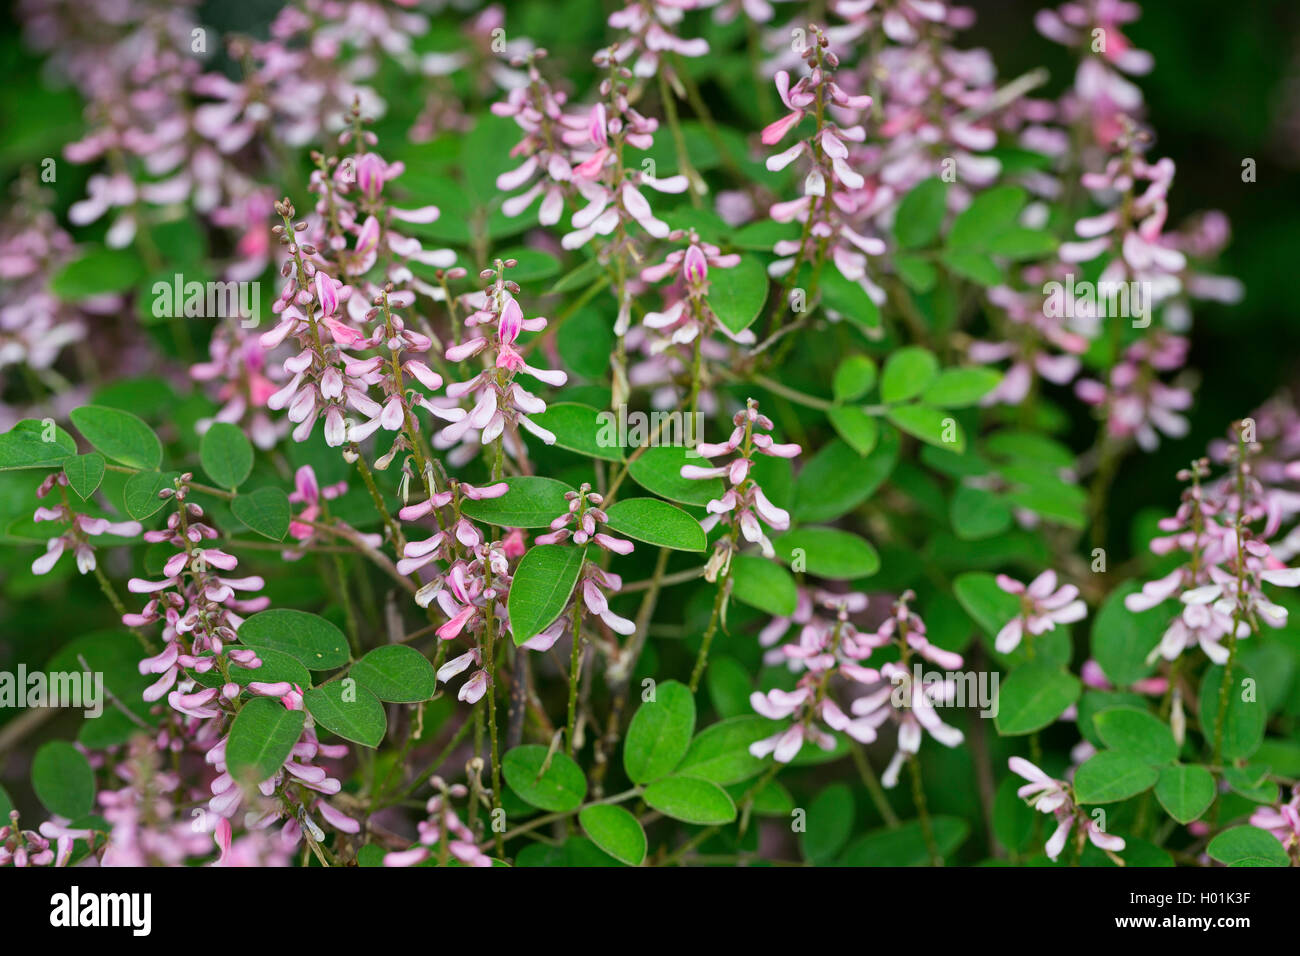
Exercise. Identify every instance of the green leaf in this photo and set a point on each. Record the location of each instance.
(763, 584)
(1121, 639)
(931, 425)
(854, 377)
(25, 446)
(837, 479)
(1248, 846)
(581, 277)
(908, 372)
(917, 272)
(829, 824)
(481, 157)
(530, 264)
(140, 493)
(615, 831)
(659, 470)
(531, 502)
(855, 426)
(977, 514)
(848, 298)
(737, 295)
(262, 736)
(829, 553)
(541, 587)
(1013, 819)
(99, 272)
(975, 266)
(1047, 496)
(226, 455)
(585, 342)
(990, 213)
(1110, 776)
(116, 655)
(771, 800)
(960, 387)
(690, 800)
(989, 605)
(1136, 732)
(397, 673)
(920, 214)
(1021, 243)
(276, 666)
(63, 780)
(582, 429)
(1243, 724)
(84, 472)
(720, 752)
(656, 522)
(906, 845)
(1032, 696)
(1251, 781)
(264, 510)
(314, 641)
(560, 789)
(120, 435)
(729, 685)
(1185, 791)
(660, 733)
(347, 709)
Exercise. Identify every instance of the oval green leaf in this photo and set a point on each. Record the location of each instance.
(84, 472)
(314, 641)
(120, 435)
(616, 832)
(63, 780)
(262, 736)
(1109, 776)
(829, 553)
(763, 584)
(226, 455)
(264, 510)
(1033, 696)
(1185, 791)
(691, 800)
(560, 789)
(531, 502)
(347, 709)
(660, 733)
(656, 522)
(396, 673)
(541, 587)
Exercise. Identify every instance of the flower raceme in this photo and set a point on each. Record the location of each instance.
(743, 503)
(429, 381)
(1042, 606)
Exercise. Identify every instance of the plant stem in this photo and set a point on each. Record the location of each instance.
(575, 669)
(922, 813)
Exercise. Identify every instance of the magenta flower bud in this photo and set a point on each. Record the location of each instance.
(368, 237)
(596, 125)
(695, 268)
(326, 294)
(370, 175)
(512, 322)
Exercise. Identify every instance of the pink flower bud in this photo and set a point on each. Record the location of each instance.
(695, 268)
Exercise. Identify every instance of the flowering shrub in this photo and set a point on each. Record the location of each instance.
(694, 445)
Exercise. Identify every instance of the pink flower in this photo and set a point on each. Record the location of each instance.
(1042, 607)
